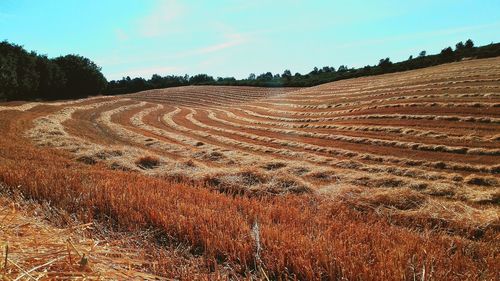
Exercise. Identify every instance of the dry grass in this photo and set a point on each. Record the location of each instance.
(148, 162)
(252, 182)
(34, 250)
(482, 181)
(314, 184)
(219, 226)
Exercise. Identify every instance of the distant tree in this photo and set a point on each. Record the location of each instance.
(226, 80)
(314, 71)
(287, 74)
(19, 78)
(422, 54)
(83, 77)
(384, 63)
(138, 84)
(327, 69)
(201, 79)
(251, 76)
(446, 53)
(342, 68)
(52, 79)
(410, 58)
(25, 76)
(459, 46)
(157, 81)
(469, 44)
(265, 76)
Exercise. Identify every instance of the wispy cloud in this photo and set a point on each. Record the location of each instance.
(160, 20)
(232, 40)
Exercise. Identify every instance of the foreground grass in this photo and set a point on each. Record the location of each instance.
(305, 237)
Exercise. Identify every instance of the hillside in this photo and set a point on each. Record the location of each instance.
(391, 177)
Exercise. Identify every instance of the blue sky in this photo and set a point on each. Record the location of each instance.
(235, 38)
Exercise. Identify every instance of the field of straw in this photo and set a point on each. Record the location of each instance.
(390, 177)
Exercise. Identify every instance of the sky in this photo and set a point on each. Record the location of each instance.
(235, 38)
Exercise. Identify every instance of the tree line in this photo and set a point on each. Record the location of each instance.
(315, 77)
(28, 75)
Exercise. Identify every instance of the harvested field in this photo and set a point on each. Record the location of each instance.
(390, 177)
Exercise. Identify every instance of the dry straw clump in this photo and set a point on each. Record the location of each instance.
(481, 180)
(253, 182)
(148, 162)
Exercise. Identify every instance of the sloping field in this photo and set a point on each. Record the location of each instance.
(386, 177)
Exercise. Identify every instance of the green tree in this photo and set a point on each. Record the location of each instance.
(326, 69)
(52, 78)
(384, 63)
(268, 76)
(201, 79)
(446, 54)
(459, 46)
(469, 44)
(19, 78)
(342, 68)
(83, 77)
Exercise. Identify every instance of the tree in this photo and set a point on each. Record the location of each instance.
(19, 78)
(265, 76)
(422, 54)
(459, 46)
(287, 74)
(226, 80)
(83, 77)
(251, 76)
(138, 84)
(384, 63)
(156, 81)
(469, 44)
(342, 68)
(52, 78)
(314, 71)
(446, 52)
(327, 69)
(411, 57)
(201, 79)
